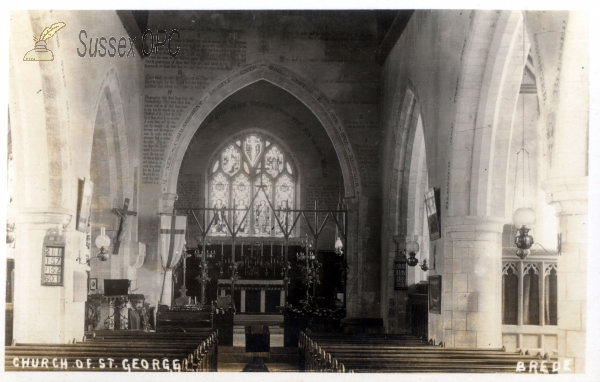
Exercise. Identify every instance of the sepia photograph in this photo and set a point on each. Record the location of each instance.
(385, 191)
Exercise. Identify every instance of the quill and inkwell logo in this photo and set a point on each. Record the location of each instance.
(41, 52)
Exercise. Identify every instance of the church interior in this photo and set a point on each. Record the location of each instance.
(370, 187)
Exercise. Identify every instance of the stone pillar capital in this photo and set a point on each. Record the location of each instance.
(167, 201)
(398, 242)
(568, 195)
(471, 223)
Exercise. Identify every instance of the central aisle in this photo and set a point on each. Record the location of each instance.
(234, 358)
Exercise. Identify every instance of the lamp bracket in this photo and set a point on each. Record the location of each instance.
(425, 268)
(86, 262)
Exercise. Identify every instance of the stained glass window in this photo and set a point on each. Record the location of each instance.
(241, 197)
(274, 161)
(284, 198)
(253, 148)
(249, 189)
(219, 197)
(262, 208)
(230, 160)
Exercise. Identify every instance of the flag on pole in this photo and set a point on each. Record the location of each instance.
(172, 239)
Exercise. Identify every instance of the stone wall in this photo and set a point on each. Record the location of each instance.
(321, 52)
(457, 80)
(53, 110)
(426, 63)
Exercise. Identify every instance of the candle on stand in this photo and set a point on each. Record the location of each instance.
(195, 303)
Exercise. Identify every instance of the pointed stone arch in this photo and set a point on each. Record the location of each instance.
(498, 100)
(407, 164)
(299, 87)
(110, 100)
(469, 90)
(110, 171)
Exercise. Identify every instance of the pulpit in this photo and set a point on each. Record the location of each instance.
(119, 312)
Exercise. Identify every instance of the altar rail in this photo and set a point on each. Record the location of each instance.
(183, 319)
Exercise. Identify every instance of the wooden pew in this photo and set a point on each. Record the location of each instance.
(121, 351)
(184, 319)
(202, 358)
(328, 352)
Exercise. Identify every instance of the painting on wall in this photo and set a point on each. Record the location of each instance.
(93, 284)
(432, 205)
(435, 294)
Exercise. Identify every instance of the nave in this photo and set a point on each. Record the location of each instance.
(412, 183)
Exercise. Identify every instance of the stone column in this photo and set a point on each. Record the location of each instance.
(567, 185)
(397, 299)
(569, 197)
(472, 282)
(352, 280)
(44, 314)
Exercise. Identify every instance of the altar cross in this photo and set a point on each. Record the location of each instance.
(123, 213)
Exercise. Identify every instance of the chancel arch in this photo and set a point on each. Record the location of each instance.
(259, 153)
(300, 88)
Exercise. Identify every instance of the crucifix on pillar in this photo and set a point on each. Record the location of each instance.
(124, 214)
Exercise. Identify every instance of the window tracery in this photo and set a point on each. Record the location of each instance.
(252, 184)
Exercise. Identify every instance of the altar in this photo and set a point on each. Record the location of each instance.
(255, 278)
(254, 295)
